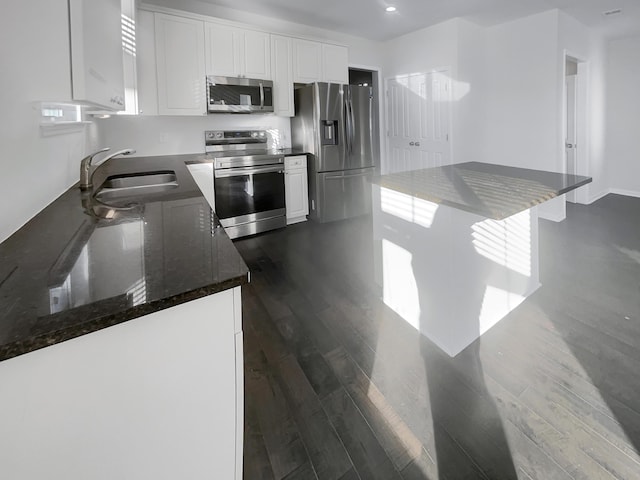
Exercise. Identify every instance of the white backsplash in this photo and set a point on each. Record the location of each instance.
(170, 135)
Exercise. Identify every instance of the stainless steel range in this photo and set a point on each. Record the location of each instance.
(248, 181)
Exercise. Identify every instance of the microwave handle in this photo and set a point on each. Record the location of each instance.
(261, 95)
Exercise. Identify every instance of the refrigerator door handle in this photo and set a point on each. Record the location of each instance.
(352, 132)
(347, 124)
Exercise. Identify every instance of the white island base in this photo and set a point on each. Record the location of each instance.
(451, 274)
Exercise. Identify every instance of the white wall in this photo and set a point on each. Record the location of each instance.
(168, 135)
(623, 115)
(521, 92)
(422, 50)
(34, 48)
(468, 94)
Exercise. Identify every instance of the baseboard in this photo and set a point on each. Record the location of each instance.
(291, 221)
(598, 196)
(628, 193)
(552, 217)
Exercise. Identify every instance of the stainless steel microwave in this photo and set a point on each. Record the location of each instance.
(239, 95)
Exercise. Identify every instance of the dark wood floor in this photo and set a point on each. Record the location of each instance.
(337, 386)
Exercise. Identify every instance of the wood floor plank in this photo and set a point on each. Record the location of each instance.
(397, 439)
(282, 439)
(369, 458)
(324, 446)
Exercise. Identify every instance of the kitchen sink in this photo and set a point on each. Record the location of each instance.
(131, 185)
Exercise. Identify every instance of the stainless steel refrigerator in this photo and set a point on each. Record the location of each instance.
(337, 124)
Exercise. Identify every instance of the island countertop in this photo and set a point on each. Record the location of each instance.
(69, 272)
(489, 190)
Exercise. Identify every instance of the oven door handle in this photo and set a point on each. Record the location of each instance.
(238, 172)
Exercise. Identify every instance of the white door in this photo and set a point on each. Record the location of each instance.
(570, 144)
(418, 112)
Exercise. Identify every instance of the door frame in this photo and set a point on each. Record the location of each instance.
(582, 109)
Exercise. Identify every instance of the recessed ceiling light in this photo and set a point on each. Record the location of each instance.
(390, 9)
(615, 11)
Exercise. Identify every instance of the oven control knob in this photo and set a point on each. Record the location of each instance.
(218, 134)
(254, 134)
(262, 134)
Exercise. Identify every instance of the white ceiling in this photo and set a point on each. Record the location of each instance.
(366, 18)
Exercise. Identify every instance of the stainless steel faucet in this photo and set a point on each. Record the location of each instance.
(86, 174)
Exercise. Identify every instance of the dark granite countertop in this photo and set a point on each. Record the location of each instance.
(71, 271)
(493, 191)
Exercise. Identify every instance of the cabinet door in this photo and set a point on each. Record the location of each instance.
(296, 188)
(96, 52)
(335, 63)
(257, 55)
(146, 64)
(307, 61)
(223, 50)
(180, 65)
(282, 70)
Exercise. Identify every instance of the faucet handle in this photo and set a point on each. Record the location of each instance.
(89, 157)
(85, 166)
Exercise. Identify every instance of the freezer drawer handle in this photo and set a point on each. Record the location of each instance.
(348, 176)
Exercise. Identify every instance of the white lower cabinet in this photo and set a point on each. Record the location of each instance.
(296, 188)
(157, 397)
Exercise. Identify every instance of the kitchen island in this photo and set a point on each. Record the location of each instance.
(456, 247)
(121, 337)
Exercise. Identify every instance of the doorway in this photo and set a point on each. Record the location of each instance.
(574, 132)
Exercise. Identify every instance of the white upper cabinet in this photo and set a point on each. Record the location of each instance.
(282, 70)
(319, 62)
(96, 53)
(180, 63)
(257, 55)
(335, 63)
(307, 61)
(236, 52)
(222, 50)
